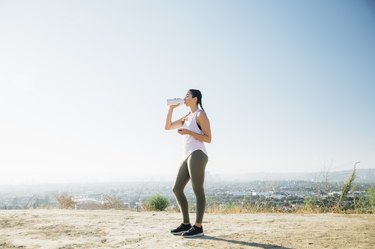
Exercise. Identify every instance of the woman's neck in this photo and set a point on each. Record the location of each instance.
(193, 108)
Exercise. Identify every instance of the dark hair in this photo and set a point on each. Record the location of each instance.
(198, 94)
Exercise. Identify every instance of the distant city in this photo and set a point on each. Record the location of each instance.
(275, 190)
(362, 175)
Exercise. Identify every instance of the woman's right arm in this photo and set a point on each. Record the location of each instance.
(169, 125)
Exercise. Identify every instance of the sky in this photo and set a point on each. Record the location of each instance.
(288, 86)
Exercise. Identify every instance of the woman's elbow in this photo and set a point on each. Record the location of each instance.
(208, 140)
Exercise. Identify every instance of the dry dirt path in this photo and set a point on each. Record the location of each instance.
(64, 229)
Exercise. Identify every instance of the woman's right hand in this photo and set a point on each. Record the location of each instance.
(177, 102)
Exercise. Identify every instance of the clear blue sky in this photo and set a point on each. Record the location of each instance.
(287, 85)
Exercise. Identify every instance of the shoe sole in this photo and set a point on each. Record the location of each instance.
(193, 236)
(178, 233)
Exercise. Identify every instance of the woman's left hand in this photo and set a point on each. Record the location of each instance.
(183, 131)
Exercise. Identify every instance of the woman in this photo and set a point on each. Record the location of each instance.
(196, 128)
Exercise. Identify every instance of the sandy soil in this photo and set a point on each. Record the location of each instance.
(65, 229)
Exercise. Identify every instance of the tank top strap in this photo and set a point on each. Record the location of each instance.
(196, 113)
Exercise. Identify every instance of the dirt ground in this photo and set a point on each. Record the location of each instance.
(65, 229)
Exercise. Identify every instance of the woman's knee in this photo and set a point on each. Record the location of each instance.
(198, 191)
(177, 190)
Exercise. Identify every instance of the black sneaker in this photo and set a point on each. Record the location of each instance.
(181, 229)
(193, 232)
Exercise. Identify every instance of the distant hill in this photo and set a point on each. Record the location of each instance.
(362, 175)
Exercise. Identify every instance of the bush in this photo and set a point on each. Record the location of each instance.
(345, 191)
(157, 203)
(113, 202)
(65, 201)
(371, 197)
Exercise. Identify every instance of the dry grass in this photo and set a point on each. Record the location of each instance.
(65, 201)
(241, 209)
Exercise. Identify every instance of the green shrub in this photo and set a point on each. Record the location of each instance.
(310, 203)
(371, 197)
(157, 203)
(345, 190)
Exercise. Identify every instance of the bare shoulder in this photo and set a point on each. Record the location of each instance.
(202, 114)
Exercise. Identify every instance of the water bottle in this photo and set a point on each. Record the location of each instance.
(175, 101)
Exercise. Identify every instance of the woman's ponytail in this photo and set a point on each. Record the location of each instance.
(201, 106)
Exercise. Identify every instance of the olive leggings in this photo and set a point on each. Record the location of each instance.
(192, 168)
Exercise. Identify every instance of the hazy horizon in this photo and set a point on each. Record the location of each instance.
(318, 176)
(288, 86)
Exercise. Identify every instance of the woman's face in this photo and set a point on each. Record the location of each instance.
(189, 100)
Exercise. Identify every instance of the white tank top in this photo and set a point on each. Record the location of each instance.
(192, 144)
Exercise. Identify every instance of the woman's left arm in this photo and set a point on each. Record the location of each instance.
(205, 127)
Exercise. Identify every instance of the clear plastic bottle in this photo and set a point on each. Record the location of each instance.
(175, 101)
